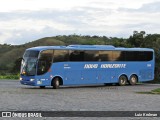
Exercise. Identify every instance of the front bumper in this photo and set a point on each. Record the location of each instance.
(28, 80)
(32, 83)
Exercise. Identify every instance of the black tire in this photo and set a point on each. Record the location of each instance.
(42, 87)
(133, 80)
(122, 80)
(56, 83)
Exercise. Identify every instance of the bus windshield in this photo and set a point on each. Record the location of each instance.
(29, 62)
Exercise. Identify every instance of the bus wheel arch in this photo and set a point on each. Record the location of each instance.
(133, 79)
(56, 82)
(122, 80)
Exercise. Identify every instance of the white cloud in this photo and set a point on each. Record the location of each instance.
(32, 24)
(5, 36)
(11, 5)
(27, 20)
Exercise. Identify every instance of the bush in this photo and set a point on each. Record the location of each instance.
(9, 76)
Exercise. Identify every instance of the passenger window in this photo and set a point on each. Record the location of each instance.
(76, 55)
(105, 55)
(60, 55)
(45, 61)
(91, 55)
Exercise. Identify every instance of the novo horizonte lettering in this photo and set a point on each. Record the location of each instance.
(89, 66)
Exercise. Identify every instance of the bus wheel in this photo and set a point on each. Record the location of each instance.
(42, 87)
(56, 83)
(133, 80)
(122, 80)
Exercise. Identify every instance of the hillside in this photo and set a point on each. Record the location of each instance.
(10, 54)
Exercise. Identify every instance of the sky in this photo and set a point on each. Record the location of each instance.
(23, 21)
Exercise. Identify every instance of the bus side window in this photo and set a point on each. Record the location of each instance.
(149, 55)
(116, 55)
(60, 55)
(105, 55)
(122, 56)
(76, 55)
(131, 56)
(45, 61)
(91, 55)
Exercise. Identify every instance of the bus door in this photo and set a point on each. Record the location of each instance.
(43, 67)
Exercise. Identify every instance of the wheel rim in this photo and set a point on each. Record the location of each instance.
(123, 80)
(57, 82)
(133, 80)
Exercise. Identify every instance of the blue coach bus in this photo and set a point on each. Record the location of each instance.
(86, 64)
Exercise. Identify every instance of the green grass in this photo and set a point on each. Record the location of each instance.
(9, 76)
(155, 91)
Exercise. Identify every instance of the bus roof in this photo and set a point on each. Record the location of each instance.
(88, 47)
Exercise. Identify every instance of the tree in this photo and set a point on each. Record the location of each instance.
(137, 39)
(17, 66)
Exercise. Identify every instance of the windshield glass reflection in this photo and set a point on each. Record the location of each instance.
(29, 66)
(29, 63)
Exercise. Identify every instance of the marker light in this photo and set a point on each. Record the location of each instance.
(31, 79)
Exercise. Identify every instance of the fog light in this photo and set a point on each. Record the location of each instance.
(31, 79)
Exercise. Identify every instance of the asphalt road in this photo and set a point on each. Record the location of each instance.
(17, 97)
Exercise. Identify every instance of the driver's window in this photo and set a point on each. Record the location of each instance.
(45, 61)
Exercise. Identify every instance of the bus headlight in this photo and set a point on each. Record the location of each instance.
(31, 79)
(20, 78)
